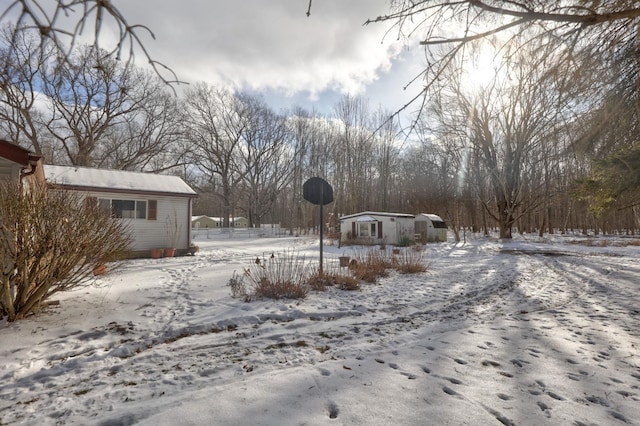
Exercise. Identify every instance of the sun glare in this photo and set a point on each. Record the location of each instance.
(480, 68)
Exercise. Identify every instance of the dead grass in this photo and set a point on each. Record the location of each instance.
(410, 262)
(370, 264)
(320, 282)
(280, 289)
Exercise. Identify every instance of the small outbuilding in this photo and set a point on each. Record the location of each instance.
(156, 207)
(378, 228)
(204, 222)
(217, 222)
(430, 228)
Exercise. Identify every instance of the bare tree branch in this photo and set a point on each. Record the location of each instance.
(91, 15)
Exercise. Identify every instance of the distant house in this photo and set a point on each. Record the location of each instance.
(204, 222)
(430, 228)
(217, 222)
(157, 207)
(378, 227)
(18, 164)
(240, 222)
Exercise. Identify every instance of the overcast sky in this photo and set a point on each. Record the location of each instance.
(272, 48)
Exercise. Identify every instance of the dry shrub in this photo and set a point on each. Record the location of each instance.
(370, 264)
(409, 262)
(238, 287)
(320, 282)
(284, 276)
(51, 241)
(347, 283)
(280, 289)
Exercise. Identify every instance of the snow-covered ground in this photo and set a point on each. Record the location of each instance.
(529, 332)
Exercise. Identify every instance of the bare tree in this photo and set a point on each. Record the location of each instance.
(386, 151)
(353, 154)
(214, 122)
(507, 124)
(88, 95)
(264, 157)
(149, 138)
(446, 27)
(20, 118)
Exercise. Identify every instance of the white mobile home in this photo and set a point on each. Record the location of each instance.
(378, 227)
(430, 228)
(157, 207)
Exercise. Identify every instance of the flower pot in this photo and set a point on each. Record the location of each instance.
(156, 253)
(100, 270)
(169, 252)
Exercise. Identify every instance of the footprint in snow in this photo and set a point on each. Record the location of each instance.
(333, 409)
(324, 371)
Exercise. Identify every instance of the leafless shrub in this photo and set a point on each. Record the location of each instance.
(348, 283)
(370, 264)
(409, 262)
(283, 276)
(238, 287)
(51, 241)
(320, 282)
(280, 289)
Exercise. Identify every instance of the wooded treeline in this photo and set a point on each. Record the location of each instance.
(546, 145)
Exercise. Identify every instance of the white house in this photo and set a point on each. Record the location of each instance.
(378, 227)
(156, 207)
(430, 227)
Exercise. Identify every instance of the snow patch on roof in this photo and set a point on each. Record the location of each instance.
(373, 214)
(102, 179)
(432, 217)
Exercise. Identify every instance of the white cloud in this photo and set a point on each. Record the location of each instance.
(270, 46)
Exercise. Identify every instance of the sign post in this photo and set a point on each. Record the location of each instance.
(318, 191)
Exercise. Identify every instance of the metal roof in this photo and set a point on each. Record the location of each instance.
(385, 214)
(86, 178)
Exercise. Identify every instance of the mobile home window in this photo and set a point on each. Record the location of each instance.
(124, 209)
(367, 229)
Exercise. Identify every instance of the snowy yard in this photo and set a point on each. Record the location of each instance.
(529, 332)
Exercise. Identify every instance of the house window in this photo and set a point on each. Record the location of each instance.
(367, 229)
(126, 209)
(141, 209)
